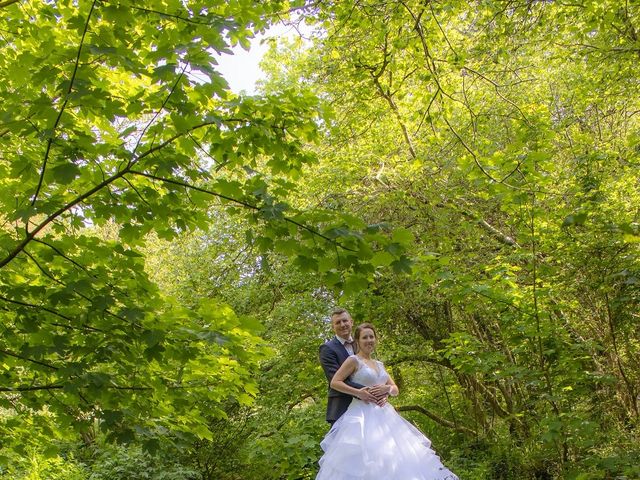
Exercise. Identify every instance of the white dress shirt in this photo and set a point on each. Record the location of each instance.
(347, 346)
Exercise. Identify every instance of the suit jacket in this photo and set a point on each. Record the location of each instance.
(332, 355)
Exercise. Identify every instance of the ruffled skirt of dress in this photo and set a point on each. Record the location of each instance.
(370, 442)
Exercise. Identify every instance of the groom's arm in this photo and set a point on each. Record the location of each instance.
(330, 365)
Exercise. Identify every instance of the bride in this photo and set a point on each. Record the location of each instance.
(373, 442)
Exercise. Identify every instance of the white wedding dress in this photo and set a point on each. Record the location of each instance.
(370, 442)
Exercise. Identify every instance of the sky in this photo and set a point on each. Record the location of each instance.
(242, 70)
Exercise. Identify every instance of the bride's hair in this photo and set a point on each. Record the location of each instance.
(361, 327)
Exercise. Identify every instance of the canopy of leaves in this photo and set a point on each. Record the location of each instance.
(114, 124)
(171, 251)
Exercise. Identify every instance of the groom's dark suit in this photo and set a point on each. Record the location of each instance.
(332, 355)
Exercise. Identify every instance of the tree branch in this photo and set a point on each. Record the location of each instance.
(388, 95)
(239, 202)
(436, 418)
(193, 187)
(81, 295)
(37, 307)
(501, 237)
(32, 388)
(32, 234)
(396, 111)
(433, 13)
(37, 362)
(173, 89)
(6, 3)
(220, 19)
(497, 90)
(53, 312)
(64, 105)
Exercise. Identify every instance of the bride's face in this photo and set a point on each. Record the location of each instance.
(367, 341)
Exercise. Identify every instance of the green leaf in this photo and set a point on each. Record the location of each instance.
(66, 173)
(306, 264)
(165, 72)
(575, 219)
(403, 236)
(202, 432)
(402, 265)
(355, 283)
(628, 238)
(382, 259)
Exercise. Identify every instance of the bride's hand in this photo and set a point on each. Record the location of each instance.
(380, 391)
(366, 396)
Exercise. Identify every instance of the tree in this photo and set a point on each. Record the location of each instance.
(115, 124)
(464, 174)
(481, 130)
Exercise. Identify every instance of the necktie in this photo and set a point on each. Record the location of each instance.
(350, 343)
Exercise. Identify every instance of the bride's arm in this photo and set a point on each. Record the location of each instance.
(394, 391)
(337, 382)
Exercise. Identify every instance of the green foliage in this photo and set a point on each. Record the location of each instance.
(511, 158)
(36, 465)
(100, 462)
(277, 436)
(120, 127)
(132, 463)
(464, 175)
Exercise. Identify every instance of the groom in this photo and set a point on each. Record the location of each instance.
(333, 353)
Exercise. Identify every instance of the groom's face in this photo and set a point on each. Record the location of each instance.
(342, 324)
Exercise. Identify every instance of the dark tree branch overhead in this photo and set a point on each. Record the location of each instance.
(44, 271)
(446, 38)
(64, 105)
(496, 87)
(83, 327)
(218, 19)
(81, 295)
(31, 235)
(250, 206)
(396, 111)
(37, 362)
(180, 183)
(164, 103)
(33, 388)
(6, 3)
(468, 149)
(387, 95)
(429, 60)
(37, 307)
(62, 254)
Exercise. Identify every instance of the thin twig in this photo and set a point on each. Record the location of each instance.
(64, 105)
(6, 3)
(164, 103)
(20, 357)
(239, 202)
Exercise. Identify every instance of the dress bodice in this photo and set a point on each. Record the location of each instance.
(368, 376)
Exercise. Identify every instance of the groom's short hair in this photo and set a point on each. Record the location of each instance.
(339, 311)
